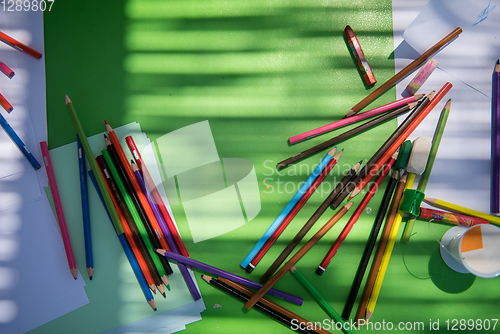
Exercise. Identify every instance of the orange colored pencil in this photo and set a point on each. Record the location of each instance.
(404, 135)
(20, 46)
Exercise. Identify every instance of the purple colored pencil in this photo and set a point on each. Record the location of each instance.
(230, 276)
(495, 141)
(354, 119)
(168, 236)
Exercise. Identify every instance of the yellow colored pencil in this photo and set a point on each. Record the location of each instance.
(387, 255)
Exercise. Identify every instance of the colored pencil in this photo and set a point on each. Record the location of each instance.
(355, 216)
(276, 315)
(460, 209)
(19, 143)
(406, 133)
(360, 117)
(363, 66)
(93, 164)
(233, 277)
(152, 228)
(424, 178)
(137, 219)
(293, 212)
(309, 224)
(405, 71)
(130, 230)
(270, 304)
(386, 256)
(182, 268)
(20, 46)
(495, 140)
(450, 217)
(59, 209)
(128, 249)
(322, 302)
(391, 216)
(6, 70)
(89, 259)
(346, 135)
(297, 256)
(156, 196)
(382, 149)
(286, 210)
(5, 104)
(370, 245)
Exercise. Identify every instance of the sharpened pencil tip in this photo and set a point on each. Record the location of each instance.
(66, 98)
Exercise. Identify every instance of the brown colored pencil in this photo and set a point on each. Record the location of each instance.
(382, 150)
(272, 305)
(398, 194)
(309, 224)
(346, 135)
(297, 256)
(130, 229)
(405, 71)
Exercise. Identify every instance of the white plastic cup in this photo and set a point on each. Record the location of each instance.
(476, 248)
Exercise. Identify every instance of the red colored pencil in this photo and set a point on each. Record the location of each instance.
(20, 46)
(354, 218)
(295, 210)
(404, 135)
(156, 196)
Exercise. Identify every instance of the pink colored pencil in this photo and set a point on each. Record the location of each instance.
(6, 70)
(59, 210)
(354, 119)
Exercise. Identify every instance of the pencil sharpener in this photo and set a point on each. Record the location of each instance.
(411, 202)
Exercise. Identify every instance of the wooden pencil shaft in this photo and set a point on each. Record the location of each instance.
(406, 133)
(133, 212)
(153, 237)
(407, 70)
(125, 163)
(398, 194)
(307, 226)
(90, 158)
(354, 218)
(129, 220)
(216, 271)
(156, 196)
(376, 156)
(278, 308)
(344, 136)
(295, 209)
(297, 256)
(372, 239)
(276, 315)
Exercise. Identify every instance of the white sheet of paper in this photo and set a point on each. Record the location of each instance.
(34, 258)
(461, 172)
(472, 56)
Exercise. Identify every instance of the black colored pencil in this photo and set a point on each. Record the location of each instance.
(309, 224)
(385, 146)
(140, 210)
(369, 246)
(346, 135)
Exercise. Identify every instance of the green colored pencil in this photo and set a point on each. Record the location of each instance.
(134, 213)
(321, 300)
(422, 184)
(93, 165)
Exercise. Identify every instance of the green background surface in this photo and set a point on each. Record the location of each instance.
(259, 72)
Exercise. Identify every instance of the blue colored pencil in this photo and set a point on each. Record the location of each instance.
(168, 236)
(19, 143)
(298, 195)
(89, 258)
(128, 251)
